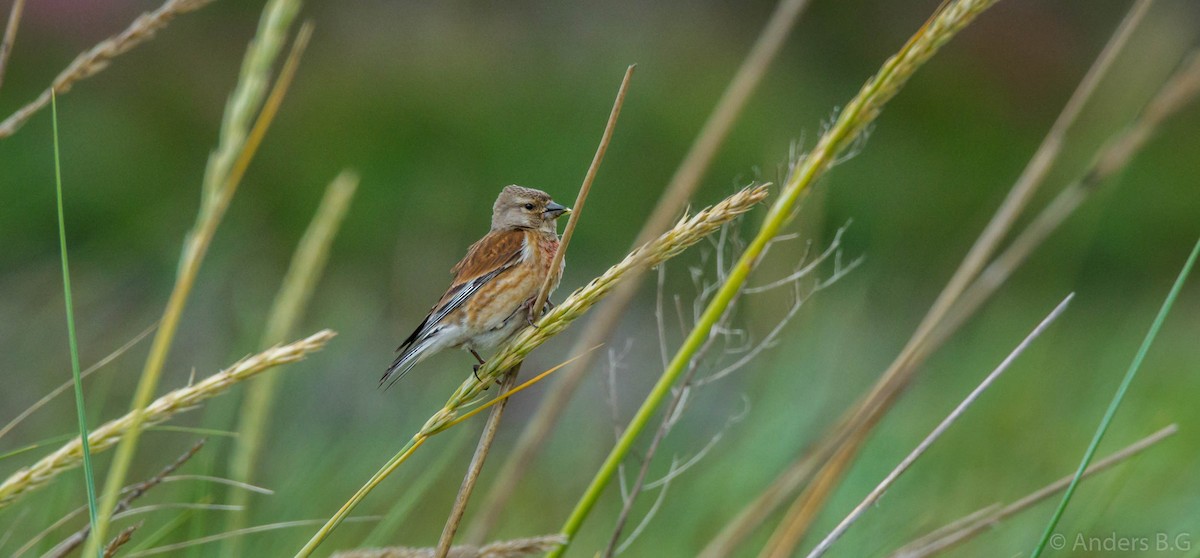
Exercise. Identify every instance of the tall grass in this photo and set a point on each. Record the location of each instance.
(250, 110)
(88, 474)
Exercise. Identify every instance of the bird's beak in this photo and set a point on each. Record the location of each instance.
(553, 210)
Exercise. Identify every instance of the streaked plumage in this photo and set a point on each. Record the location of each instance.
(494, 285)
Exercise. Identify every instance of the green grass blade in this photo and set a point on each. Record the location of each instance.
(1120, 395)
(75, 374)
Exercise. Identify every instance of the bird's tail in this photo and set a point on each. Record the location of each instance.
(410, 354)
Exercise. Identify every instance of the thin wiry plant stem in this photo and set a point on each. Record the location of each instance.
(937, 432)
(80, 412)
(687, 232)
(10, 35)
(96, 59)
(1118, 397)
(841, 442)
(69, 456)
(987, 518)
(476, 466)
(296, 290)
(853, 120)
(221, 180)
(679, 190)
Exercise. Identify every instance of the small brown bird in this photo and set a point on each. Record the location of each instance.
(493, 288)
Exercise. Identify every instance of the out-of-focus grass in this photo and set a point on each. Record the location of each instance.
(439, 108)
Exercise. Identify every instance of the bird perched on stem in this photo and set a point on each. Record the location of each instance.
(494, 286)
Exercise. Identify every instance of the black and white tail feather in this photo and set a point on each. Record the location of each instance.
(416, 347)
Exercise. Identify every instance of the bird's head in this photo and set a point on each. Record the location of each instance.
(519, 207)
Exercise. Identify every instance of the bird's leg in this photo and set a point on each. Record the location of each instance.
(529, 317)
(475, 369)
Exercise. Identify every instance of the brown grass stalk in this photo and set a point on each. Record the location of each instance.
(837, 450)
(678, 191)
(979, 521)
(69, 456)
(96, 59)
(476, 467)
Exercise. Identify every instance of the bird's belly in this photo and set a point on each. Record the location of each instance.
(499, 308)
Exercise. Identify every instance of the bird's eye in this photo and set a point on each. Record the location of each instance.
(529, 207)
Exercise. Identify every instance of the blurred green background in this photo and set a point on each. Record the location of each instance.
(438, 105)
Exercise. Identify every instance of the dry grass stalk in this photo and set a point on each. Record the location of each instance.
(581, 198)
(688, 231)
(107, 435)
(131, 493)
(834, 451)
(986, 518)
(443, 548)
(678, 191)
(937, 432)
(10, 35)
(239, 137)
(96, 59)
(504, 549)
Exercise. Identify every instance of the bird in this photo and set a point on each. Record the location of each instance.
(493, 288)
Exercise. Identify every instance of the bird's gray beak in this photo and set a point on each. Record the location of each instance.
(553, 210)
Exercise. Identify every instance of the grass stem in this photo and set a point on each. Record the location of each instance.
(88, 474)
